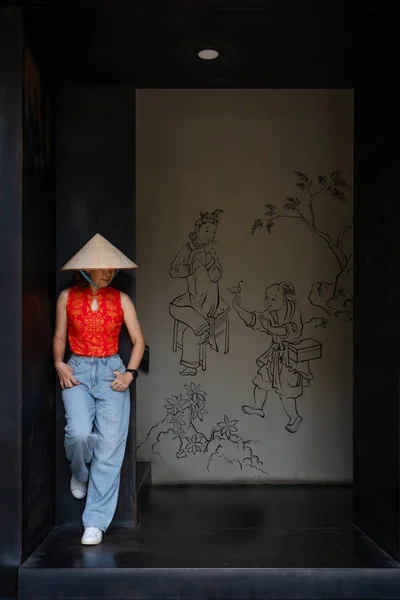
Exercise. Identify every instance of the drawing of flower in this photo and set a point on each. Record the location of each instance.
(176, 404)
(198, 411)
(226, 427)
(195, 444)
(177, 422)
(194, 394)
(177, 432)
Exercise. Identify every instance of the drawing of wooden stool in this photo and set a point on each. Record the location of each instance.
(220, 325)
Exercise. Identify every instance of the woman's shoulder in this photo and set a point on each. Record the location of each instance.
(63, 298)
(120, 295)
(65, 293)
(126, 300)
(71, 289)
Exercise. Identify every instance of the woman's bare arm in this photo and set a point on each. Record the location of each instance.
(135, 331)
(123, 380)
(60, 333)
(65, 373)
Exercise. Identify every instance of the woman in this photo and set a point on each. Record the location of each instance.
(94, 382)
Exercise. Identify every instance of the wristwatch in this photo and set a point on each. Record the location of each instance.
(134, 373)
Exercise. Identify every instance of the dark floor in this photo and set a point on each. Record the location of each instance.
(220, 543)
(213, 526)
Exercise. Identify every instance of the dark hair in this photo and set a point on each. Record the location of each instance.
(80, 280)
(206, 218)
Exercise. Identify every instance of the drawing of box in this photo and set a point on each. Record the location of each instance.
(308, 349)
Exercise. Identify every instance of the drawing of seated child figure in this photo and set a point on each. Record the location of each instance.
(277, 371)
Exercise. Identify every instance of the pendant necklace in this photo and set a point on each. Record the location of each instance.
(94, 304)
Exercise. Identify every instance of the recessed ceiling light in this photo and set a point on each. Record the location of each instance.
(208, 54)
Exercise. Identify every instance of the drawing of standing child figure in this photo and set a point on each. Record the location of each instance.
(279, 368)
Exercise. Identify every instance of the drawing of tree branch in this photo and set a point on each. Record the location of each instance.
(334, 297)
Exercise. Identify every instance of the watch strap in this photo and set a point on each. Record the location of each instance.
(134, 372)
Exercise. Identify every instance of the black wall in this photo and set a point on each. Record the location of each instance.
(10, 297)
(38, 294)
(95, 166)
(27, 248)
(377, 300)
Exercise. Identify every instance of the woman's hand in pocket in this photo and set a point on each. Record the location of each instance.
(66, 375)
(122, 381)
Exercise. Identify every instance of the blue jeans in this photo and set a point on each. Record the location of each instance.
(96, 433)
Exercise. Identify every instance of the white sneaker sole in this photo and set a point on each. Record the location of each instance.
(91, 543)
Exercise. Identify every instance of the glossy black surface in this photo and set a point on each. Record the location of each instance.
(11, 295)
(251, 5)
(224, 526)
(376, 292)
(38, 308)
(95, 169)
(27, 244)
(294, 548)
(241, 540)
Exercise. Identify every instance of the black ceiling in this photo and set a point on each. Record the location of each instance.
(148, 46)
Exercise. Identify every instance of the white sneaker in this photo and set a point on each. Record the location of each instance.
(78, 489)
(92, 536)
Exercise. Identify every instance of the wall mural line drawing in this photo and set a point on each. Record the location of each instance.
(200, 315)
(179, 431)
(334, 297)
(284, 368)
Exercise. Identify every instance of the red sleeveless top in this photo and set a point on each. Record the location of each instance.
(94, 332)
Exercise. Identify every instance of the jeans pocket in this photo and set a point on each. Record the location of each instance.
(74, 362)
(115, 364)
(122, 367)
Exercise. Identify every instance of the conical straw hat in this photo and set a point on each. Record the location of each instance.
(98, 253)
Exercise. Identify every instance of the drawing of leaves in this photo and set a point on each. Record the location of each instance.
(335, 183)
(195, 444)
(226, 428)
(338, 194)
(194, 394)
(303, 178)
(177, 422)
(322, 180)
(292, 203)
(256, 225)
(269, 225)
(176, 419)
(175, 404)
(271, 209)
(336, 180)
(198, 411)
